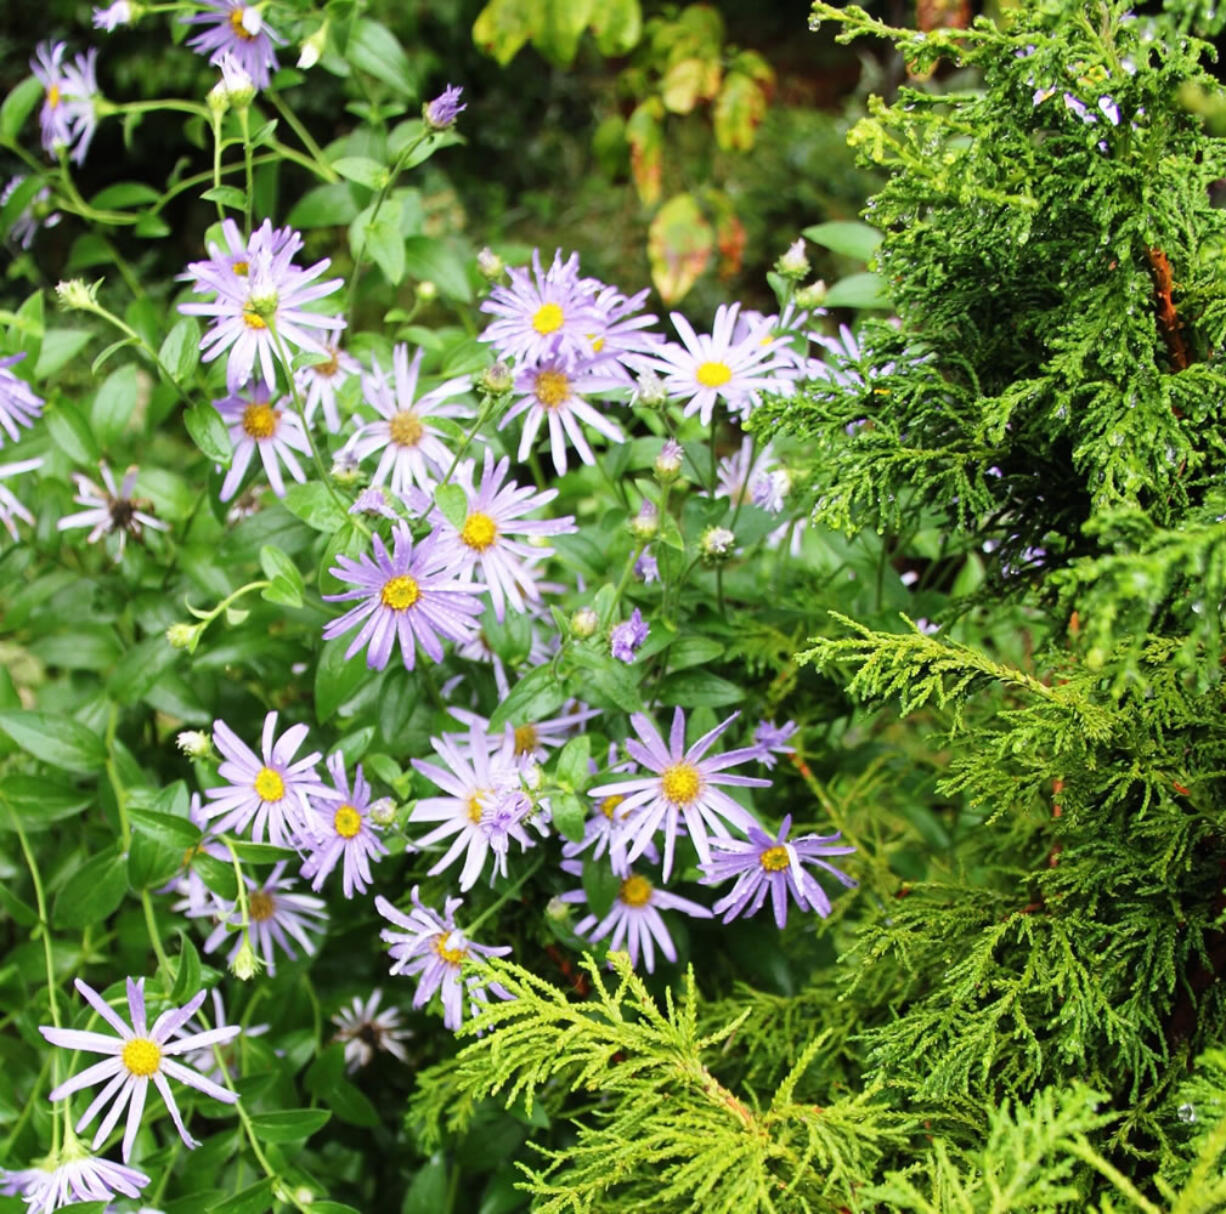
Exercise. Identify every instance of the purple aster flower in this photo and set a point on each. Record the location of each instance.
(37, 213)
(619, 336)
(626, 637)
(764, 865)
(72, 1176)
(749, 477)
(770, 739)
(434, 950)
(365, 1030)
(113, 16)
(320, 381)
(554, 393)
(413, 450)
(441, 113)
(19, 406)
(705, 369)
(373, 501)
(485, 806)
(408, 594)
(202, 1058)
(543, 314)
(11, 508)
(534, 740)
(647, 568)
(67, 120)
(345, 832)
(680, 785)
(274, 430)
(635, 921)
(112, 509)
(228, 266)
(277, 917)
(605, 828)
(270, 792)
(495, 540)
(237, 28)
(789, 329)
(137, 1055)
(252, 309)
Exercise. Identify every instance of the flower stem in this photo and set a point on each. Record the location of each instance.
(154, 938)
(504, 897)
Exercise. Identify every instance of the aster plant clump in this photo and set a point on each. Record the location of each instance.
(421, 785)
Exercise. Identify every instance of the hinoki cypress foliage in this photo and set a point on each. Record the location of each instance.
(1021, 1009)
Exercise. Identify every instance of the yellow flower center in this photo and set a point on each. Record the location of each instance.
(609, 804)
(552, 388)
(347, 821)
(453, 956)
(479, 531)
(269, 785)
(253, 320)
(597, 343)
(142, 1057)
(775, 859)
(236, 24)
(406, 428)
(400, 593)
(241, 268)
(259, 421)
(330, 368)
(261, 905)
(525, 739)
(635, 891)
(680, 783)
(473, 803)
(713, 375)
(53, 95)
(548, 319)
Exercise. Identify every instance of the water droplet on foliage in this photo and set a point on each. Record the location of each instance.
(1186, 1112)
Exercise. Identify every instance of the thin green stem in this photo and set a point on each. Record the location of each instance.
(303, 134)
(244, 122)
(112, 774)
(152, 927)
(487, 405)
(216, 124)
(504, 897)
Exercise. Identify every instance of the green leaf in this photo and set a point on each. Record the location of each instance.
(536, 696)
(569, 815)
(315, 506)
(601, 886)
(39, 802)
(326, 206)
(209, 433)
(453, 502)
(113, 404)
(55, 739)
(228, 195)
(188, 971)
(503, 26)
(379, 237)
(60, 346)
(282, 592)
(694, 650)
(428, 1192)
(851, 239)
(374, 49)
(262, 853)
(140, 668)
(151, 862)
(178, 833)
(17, 107)
(18, 200)
(558, 35)
(124, 194)
(698, 689)
(180, 352)
(71, 433)
(93, 892)
(218, 875)
(865, 290)
(255, 1199)
(289, 1125)
(572, 769)
(336, 679)
(278, 567)
(618, 26)
(363, 170)
(680, 243)
(430, 259)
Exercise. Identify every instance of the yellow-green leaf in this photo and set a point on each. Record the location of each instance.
(679, 246)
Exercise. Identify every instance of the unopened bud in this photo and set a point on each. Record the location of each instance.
(650, 391)
(427, 292)
(668, 462)
(183, 636)
(312, 48)
(490, 265)
(246, 964)
(716, 544)
(345, 467)
(236, 84)
(195, 743)
(382, 812)
(557, 910)
(794, 263)
(646, 524)
(584, 622)
(496, 379)
(812, 296)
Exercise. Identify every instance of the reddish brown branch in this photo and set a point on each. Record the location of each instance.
(1164, 305)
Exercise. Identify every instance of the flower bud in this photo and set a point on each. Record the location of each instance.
(584, 622)
(716, 544)
(646, 524)
(73, 293)
(184, 636)
(236, 85)
(312, 48)
(382, 812)
(427, 292)
(649, 391)
(246, 964)
(490, 265)
(496, 379)
(195, 743)
(812, 296)
(794, 264)
(668, 463)
(557, 910)
(441, 113)
(345, 467)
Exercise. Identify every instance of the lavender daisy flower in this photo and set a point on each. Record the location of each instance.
(413, 451)
(410, 595)
(345, 833)
(746, 477)
(705, 369)
(553, 392)
(237, 28)
(320, 381)
(277, 916)
(252, 311)
(111, 509)
(626, 637)
(274, 430)
(67, 116)
(365, 1030)
(635, 921)
(373, 501)
(535, 739)
(203, 1059)
(270, 793)
(647, 568)
(620, 335)
(11, 508)
(482, 787)
(37, 213)
(230, 262)
(543, 314)
(682, 785)
(605, 831)
(73, 1176)
(138, 1055)
(113, 16)
(19, 406)
(788, 331)
(770, 739)
(489, 540)
(434, 950)
(764, 865)
(441, 113)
